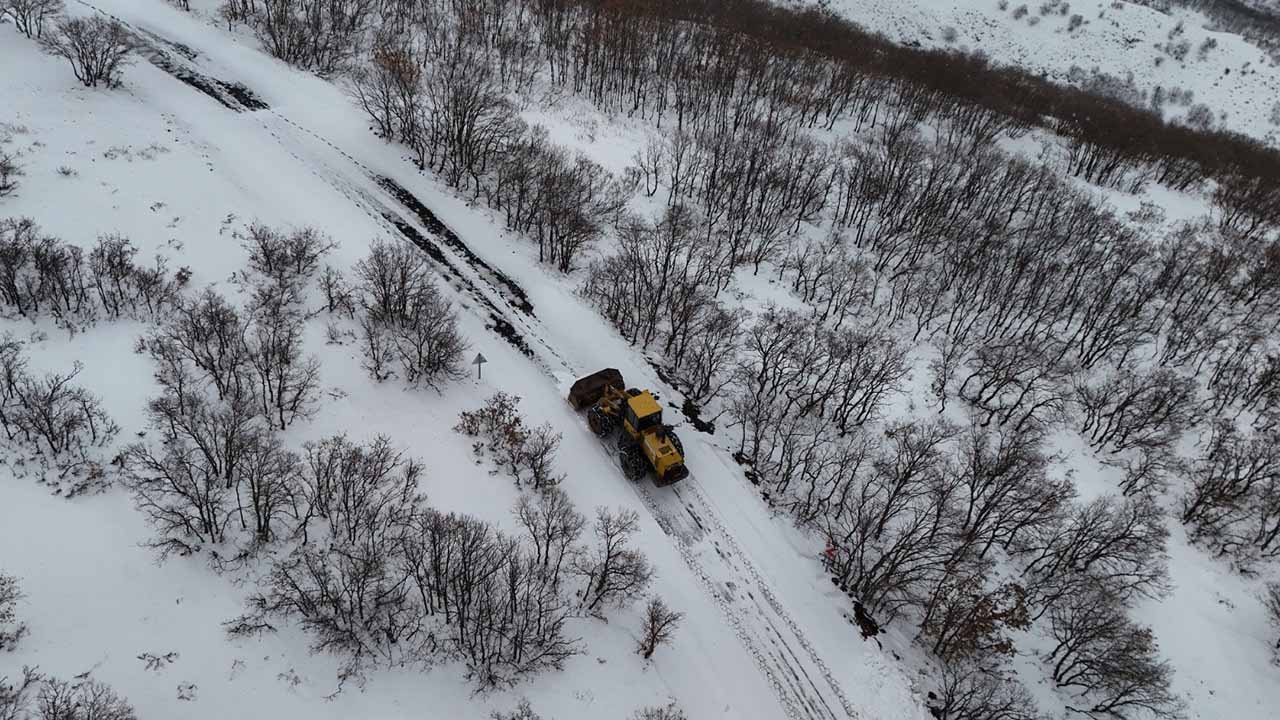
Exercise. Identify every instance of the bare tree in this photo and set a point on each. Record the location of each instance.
(970, 691)
(966, 620)
(1233, 503)
(1271, 600)
(83, 700)
(615, 574)
(11, 631)
(288, 383)
(15, 698)
(553, 525)
(1120, 542)
(30, 16)
(1113, 663)
(660, 623)
(97, 48)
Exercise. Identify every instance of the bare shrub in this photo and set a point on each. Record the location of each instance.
(523, 711)
(505, 437)
(289, 259)
(660, 712)
(11, 631)
(97, 48)
(61, 422)
(406, 319)
(10, 171)
(660, 623)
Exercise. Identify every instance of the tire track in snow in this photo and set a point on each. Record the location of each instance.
(767, 593)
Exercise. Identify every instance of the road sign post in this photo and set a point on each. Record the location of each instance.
(479, 362)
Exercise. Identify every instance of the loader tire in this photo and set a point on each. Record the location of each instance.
(600, 422)
(675, 441)
(634, 464)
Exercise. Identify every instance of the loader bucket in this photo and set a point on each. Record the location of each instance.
(586, 391)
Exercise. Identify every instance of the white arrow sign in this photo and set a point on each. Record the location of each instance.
(480, 360)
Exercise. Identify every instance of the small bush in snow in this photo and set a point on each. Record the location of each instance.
(505, 436)
(660, 712)
(523, 711)
(10, 171)
(1020, 12)
(660, 623)
(1075, 22)
(1205, 48)
(949, 34)
(97, 48)
(288, 259)
(11, 631)
(60, 422)
(30, 16)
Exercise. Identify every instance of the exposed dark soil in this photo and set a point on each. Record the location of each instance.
(501, 281)
(498, 324)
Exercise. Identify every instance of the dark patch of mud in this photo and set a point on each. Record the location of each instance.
(502, 282)
(232, 96)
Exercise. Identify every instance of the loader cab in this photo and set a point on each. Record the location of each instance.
(643, 413)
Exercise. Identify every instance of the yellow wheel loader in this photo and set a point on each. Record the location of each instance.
(644, 442)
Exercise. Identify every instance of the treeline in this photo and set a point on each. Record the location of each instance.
(40, 275)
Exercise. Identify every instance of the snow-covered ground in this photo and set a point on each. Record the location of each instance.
(764, 637)
(178, 172)
(1235, 79)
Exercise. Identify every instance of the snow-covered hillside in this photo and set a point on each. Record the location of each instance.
(1174, 52)
(209, 134)
(178, 173)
